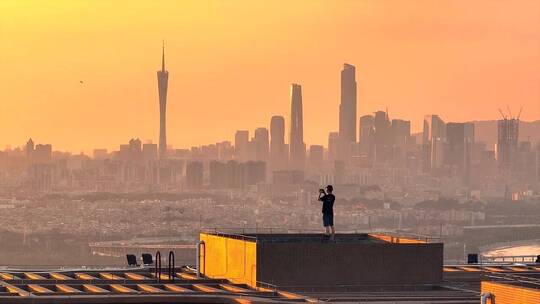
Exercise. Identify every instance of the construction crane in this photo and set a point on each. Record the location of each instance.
(502, 114)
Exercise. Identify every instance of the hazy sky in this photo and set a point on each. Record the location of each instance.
(231, 64)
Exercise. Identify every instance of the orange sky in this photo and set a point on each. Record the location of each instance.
(231, 63)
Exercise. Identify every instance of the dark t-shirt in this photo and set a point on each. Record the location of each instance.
(328, 203)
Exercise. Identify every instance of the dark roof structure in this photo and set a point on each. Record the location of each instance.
(283, 268)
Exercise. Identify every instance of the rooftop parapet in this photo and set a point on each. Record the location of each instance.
(268, 257)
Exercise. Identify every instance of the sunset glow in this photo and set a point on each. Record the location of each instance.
(82, 74)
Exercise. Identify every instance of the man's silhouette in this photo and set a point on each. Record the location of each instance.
(327, 199)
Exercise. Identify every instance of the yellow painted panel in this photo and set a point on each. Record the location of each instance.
(519, 268)
(232, 259)
(289, 295)
(508, 294)
(109, 276)
(135, 276)
(233, 288)
(38, 288)
(59, 276)
(8, 276)
(84, 276)
(93, 288)
(17, 290)
(120, 288)
(398, 240)
(206, 288)
(34, 276)
(176, 288)
(163, 276)
(148, 288)
(186, 276)
(66, 288)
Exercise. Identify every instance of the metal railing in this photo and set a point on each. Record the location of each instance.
(353, 287)
(509, 259)
(250, 233)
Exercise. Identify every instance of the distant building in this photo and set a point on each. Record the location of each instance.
(42, 153)
(333, 143)
(278, 148)
(262, 144)
(241, 145)
(456, 144)
(29, 148)
(255, 172)
(236, 175)
(401, 137)
(507, 143)
(347, 112)
(288, 177)
(225, 151)
(194, 175)
(100, 154)
(433, 140)
(218, 175)
(460, 138)
(339, 172)
(150, 152)
(163, 79)
(383, 137)
(316, 154)
(367, 136)
(296, 144)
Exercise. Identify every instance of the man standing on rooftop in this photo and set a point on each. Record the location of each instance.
(327, 199)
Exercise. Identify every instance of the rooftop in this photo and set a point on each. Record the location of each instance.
(128, 285)
(266, 235)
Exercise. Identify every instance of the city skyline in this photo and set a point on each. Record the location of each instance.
(163, 81)
(58, 91)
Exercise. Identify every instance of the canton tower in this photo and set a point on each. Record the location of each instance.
(163, 79)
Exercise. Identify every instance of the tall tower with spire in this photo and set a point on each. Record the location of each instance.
(163, 80)
(347, 111)
(297, 147)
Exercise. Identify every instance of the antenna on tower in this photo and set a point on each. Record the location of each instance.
(163, 57)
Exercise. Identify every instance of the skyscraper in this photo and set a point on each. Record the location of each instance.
(433, 139)
(507, 142)
(29, 148)
(367, 135)
(455, 156)
(347, 111)
(316, 155)
(278, 149)
(383, 136)
(241, 145)
(401, 133)
(261, 144)
(333, 143)
(163, 79)
(296, 142)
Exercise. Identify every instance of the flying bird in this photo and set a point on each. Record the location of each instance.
(81, 81)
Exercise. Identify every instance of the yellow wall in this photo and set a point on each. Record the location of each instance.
(400, 240)
(508, 294)
(232, 259)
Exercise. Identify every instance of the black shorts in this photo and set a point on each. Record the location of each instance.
(328, 219)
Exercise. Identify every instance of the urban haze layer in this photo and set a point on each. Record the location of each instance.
(447, 181)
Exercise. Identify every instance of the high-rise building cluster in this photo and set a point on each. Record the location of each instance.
(445, 159)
